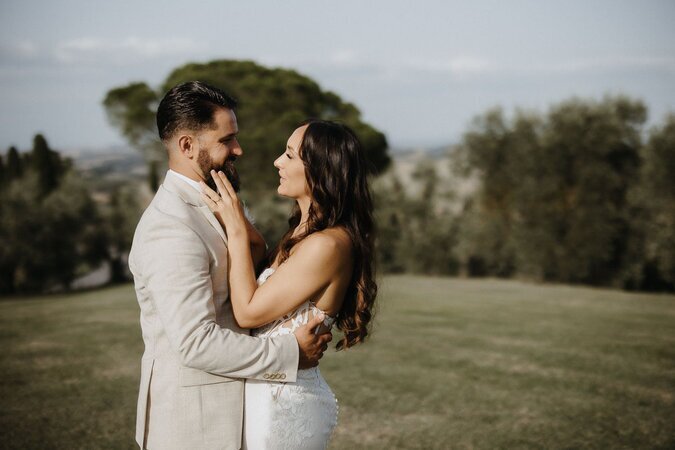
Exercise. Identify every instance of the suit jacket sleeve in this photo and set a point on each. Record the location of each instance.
(174, 265)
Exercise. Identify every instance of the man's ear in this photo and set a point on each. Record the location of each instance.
(186, 145)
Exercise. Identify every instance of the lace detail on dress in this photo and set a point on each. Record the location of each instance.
(302, 414)
(293, 320)
(306, 414)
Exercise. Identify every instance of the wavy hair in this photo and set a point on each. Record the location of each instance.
(336, 172)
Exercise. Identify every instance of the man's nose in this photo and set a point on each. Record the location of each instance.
(237, 151)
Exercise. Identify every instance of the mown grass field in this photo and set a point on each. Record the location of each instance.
(452, 364)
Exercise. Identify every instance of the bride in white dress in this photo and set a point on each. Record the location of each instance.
(321, 267)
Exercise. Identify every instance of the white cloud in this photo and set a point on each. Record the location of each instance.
(468, 65)
(352, 60)
(344, 58)
(612, 63)
(122, 51)
(18, 51)
(26, 48)
(457, 66)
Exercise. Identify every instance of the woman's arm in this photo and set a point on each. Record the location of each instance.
(303, 276)
(257, 243)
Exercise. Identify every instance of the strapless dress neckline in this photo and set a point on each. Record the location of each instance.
(267, 272)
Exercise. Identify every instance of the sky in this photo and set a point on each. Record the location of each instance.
(418, 71)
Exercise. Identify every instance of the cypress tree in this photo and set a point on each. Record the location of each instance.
(47, 164)
(14, 168)
(153, 175)
(2, 172)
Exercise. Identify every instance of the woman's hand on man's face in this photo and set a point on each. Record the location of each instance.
(225, 205)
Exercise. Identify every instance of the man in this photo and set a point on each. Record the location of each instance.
(196, 356)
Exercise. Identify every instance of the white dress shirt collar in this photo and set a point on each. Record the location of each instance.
(191, 182)
(198, 188)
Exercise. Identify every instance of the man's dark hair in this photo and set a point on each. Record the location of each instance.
(190, 106)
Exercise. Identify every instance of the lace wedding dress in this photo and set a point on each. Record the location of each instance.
(299, 415)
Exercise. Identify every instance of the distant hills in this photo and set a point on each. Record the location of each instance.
(112, 160)
(120, 160)
(108, 167)
(430, 152)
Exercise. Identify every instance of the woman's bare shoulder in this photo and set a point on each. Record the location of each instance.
(332, 244)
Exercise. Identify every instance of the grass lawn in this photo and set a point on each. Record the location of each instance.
(452, 363)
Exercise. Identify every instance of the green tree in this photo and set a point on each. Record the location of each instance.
(489, 151)
(153, 175)
(131, 109)
(2, 172)
(659, 178)
(651, 260)
(47, 163)
(121, 219)
(416, 230)
(433, 227)
(553, 198)
(271, 103)
(581, 181)
(392, 206)
(14, 164)
(47, 240)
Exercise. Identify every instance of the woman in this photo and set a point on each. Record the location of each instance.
(322, 266)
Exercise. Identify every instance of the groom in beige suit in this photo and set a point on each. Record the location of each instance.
(196, 356)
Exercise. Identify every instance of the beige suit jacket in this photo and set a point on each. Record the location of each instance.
(196, 357)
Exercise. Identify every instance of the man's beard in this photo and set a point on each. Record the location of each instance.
(206, 165)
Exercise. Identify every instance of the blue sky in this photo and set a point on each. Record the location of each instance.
(419, 71)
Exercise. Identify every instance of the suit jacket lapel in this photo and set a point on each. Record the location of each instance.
(213, 221)
(190, 196)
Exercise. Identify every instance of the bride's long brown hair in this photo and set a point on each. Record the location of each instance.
(336, 173)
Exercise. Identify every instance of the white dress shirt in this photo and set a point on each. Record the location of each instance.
(190, 181)
(195, 185)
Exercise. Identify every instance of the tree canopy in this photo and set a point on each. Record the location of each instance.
(49, 225)
(272, 101)
(574, 195)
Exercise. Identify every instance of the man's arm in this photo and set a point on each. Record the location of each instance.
(174, 268)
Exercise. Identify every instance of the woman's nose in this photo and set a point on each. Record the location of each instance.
(277, 163)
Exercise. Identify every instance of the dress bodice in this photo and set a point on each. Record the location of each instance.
(293, 320)
(299, 415)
